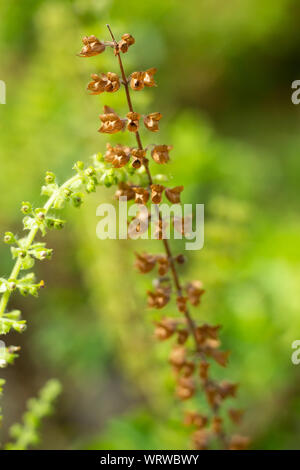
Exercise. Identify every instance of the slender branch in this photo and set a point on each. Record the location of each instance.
(176, 280)
(29, 239)
(125, 83)
(175, 275)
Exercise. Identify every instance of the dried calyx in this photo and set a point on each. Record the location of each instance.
(194, 345)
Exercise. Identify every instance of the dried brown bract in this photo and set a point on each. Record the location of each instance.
(181, 303)
(141, 195)
(180, 259)
(194, 292)
(238, 442)
(178, 356)
(186, 388)
(149, 77)
(139, 157)
(187, 369)
(205, 332)
(92, 46)
(118, 156)
(145, 262)
(221, 357)
(217, 424)
(125, 190)
(174, 194)
(163, 264)
(109, 82)
(165, 328)
(133, 121)
(195, 345)
(156, 193)
(203, 370)
(151, 121)
(111, 122)
(227, 389)
(160, 153)
(138, 80)
(126, 41)
(183, 335)
(159, 298)
(195, 419)
(200, 439)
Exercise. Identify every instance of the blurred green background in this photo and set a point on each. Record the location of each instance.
(224, 73)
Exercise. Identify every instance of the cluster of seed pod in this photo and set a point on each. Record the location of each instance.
(194, 345)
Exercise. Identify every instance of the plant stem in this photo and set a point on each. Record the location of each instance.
(176, 280)
(29, 239)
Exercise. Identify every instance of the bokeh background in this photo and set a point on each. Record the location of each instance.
(224, 73)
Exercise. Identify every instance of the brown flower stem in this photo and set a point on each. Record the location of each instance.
(175, 275)
(125, 83)
(189, 320)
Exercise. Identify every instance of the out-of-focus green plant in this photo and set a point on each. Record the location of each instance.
(26, 434)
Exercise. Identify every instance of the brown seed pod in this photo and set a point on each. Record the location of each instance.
(141, 195)
(205, 332)
(194, 292)
(221, 357)
(156, 193)
(128, 38)
(92, 46)
(124, 44)
(151, 121)
(227, 389)
(138, 157)
(159, 298)
(111, 122)
(235, 415)
(144, 262)
(185, 388)
(181, 259)
(217, 424)
(203, 370)
(196, 419)
(163, 264)
(238, 442)
(188, 369)
(149, 77)
(105, 82)
(174, 194)
(160, 153)
(133, 121)
(181, 304)
(137, 80)
(165, 328)
(183, 335)
(125, 190)
(200, 439)
(178, 356)
(118, 156)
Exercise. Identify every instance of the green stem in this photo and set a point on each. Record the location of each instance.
(29, 239)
